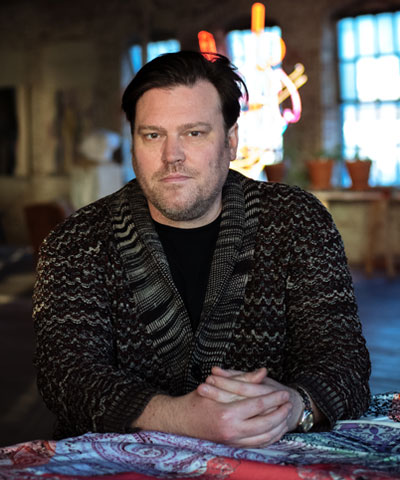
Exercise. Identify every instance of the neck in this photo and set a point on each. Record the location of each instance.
(205, 219)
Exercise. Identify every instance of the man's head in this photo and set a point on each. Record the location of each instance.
(187, 68)
(183, 111)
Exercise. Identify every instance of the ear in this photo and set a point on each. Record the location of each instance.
(233, 140)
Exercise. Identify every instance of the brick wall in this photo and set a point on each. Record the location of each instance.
(78, 48)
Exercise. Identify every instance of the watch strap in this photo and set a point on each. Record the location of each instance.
(307, 418)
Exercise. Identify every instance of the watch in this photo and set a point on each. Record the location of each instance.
(307, 417)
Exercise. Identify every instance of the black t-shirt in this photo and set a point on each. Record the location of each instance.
(189, 253)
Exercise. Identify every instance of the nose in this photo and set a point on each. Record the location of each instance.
(173, 151)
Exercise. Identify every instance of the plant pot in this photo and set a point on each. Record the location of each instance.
(320, 173)
(359, 174)
(275, 172)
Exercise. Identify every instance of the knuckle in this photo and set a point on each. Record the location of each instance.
(226, 426)
(242, 389)
(226, 416)
(261, 403)
(227, 435)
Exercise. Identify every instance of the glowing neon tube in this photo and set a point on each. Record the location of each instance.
(207, 44)
(257, 17)
(291, 116)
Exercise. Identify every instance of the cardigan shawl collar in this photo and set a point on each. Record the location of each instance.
(158, 304)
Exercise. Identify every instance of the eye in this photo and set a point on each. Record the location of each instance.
(195, 133)
(151, 136)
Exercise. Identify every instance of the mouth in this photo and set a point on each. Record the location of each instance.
(175, 178)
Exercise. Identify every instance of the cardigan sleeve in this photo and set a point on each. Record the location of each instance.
(75, 298)
(326, 351)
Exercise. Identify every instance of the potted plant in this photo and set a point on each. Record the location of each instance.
(320, 168)
(359, 169)
(275, 172)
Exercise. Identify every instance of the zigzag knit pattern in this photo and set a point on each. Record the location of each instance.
(112, 330)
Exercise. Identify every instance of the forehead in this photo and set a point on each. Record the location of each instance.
(194, 103)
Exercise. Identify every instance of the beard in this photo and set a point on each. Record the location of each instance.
(190, 201)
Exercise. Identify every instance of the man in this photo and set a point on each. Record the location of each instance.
(194, 300)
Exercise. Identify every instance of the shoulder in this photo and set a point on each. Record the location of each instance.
(281, 199)
(87, 228)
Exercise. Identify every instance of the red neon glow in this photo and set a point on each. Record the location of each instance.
(207, 44)
(257, 17)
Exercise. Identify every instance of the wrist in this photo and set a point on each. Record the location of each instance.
(307, 418)
(156, 414)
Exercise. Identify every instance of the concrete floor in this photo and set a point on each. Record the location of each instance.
(23, 415)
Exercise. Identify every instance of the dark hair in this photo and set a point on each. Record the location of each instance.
(186, 68)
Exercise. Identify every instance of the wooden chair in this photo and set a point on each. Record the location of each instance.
(42, 218)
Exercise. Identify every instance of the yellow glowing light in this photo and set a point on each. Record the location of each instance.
(257, 17)
(298, 78)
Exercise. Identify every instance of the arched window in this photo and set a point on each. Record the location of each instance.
(369, 73)
(258, 59)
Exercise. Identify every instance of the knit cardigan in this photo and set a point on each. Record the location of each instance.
(112, 330)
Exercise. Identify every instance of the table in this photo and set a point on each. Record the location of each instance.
(378, 201)
(368, 448)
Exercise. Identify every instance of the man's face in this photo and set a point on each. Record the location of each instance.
(181, 153)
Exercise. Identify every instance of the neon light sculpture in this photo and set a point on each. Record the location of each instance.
(262, 145)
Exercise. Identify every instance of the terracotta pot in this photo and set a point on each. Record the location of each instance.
(359, 174)
(320, 173)
(275, 172)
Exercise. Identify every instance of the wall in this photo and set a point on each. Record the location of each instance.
(74, 51)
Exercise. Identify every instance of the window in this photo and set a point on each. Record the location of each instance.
(258, 60)
(245, 53)
(369, 73)
(154, 49)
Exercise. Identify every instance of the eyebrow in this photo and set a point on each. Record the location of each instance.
(185, 126)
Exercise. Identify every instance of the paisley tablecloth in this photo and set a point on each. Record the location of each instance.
(368, 448)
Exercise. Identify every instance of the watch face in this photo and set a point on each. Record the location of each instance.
(307, 421)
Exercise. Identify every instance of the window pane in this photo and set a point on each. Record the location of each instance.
(154, 49)
(386, 151)
(136, 57)
(397, 31)
(366, 35)
(349, 120)
(362, 126)
(346, 39)
(389, 67)
(348, 81)
(359, 128)
(385, 32)
(378, 78)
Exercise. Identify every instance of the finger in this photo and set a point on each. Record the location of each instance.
(268, 411)
(244, 410)
(225, 373)
(239, 387)
(255, 376)
(265, 424)
(216, 394)
(262, 440)
(271, 382)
